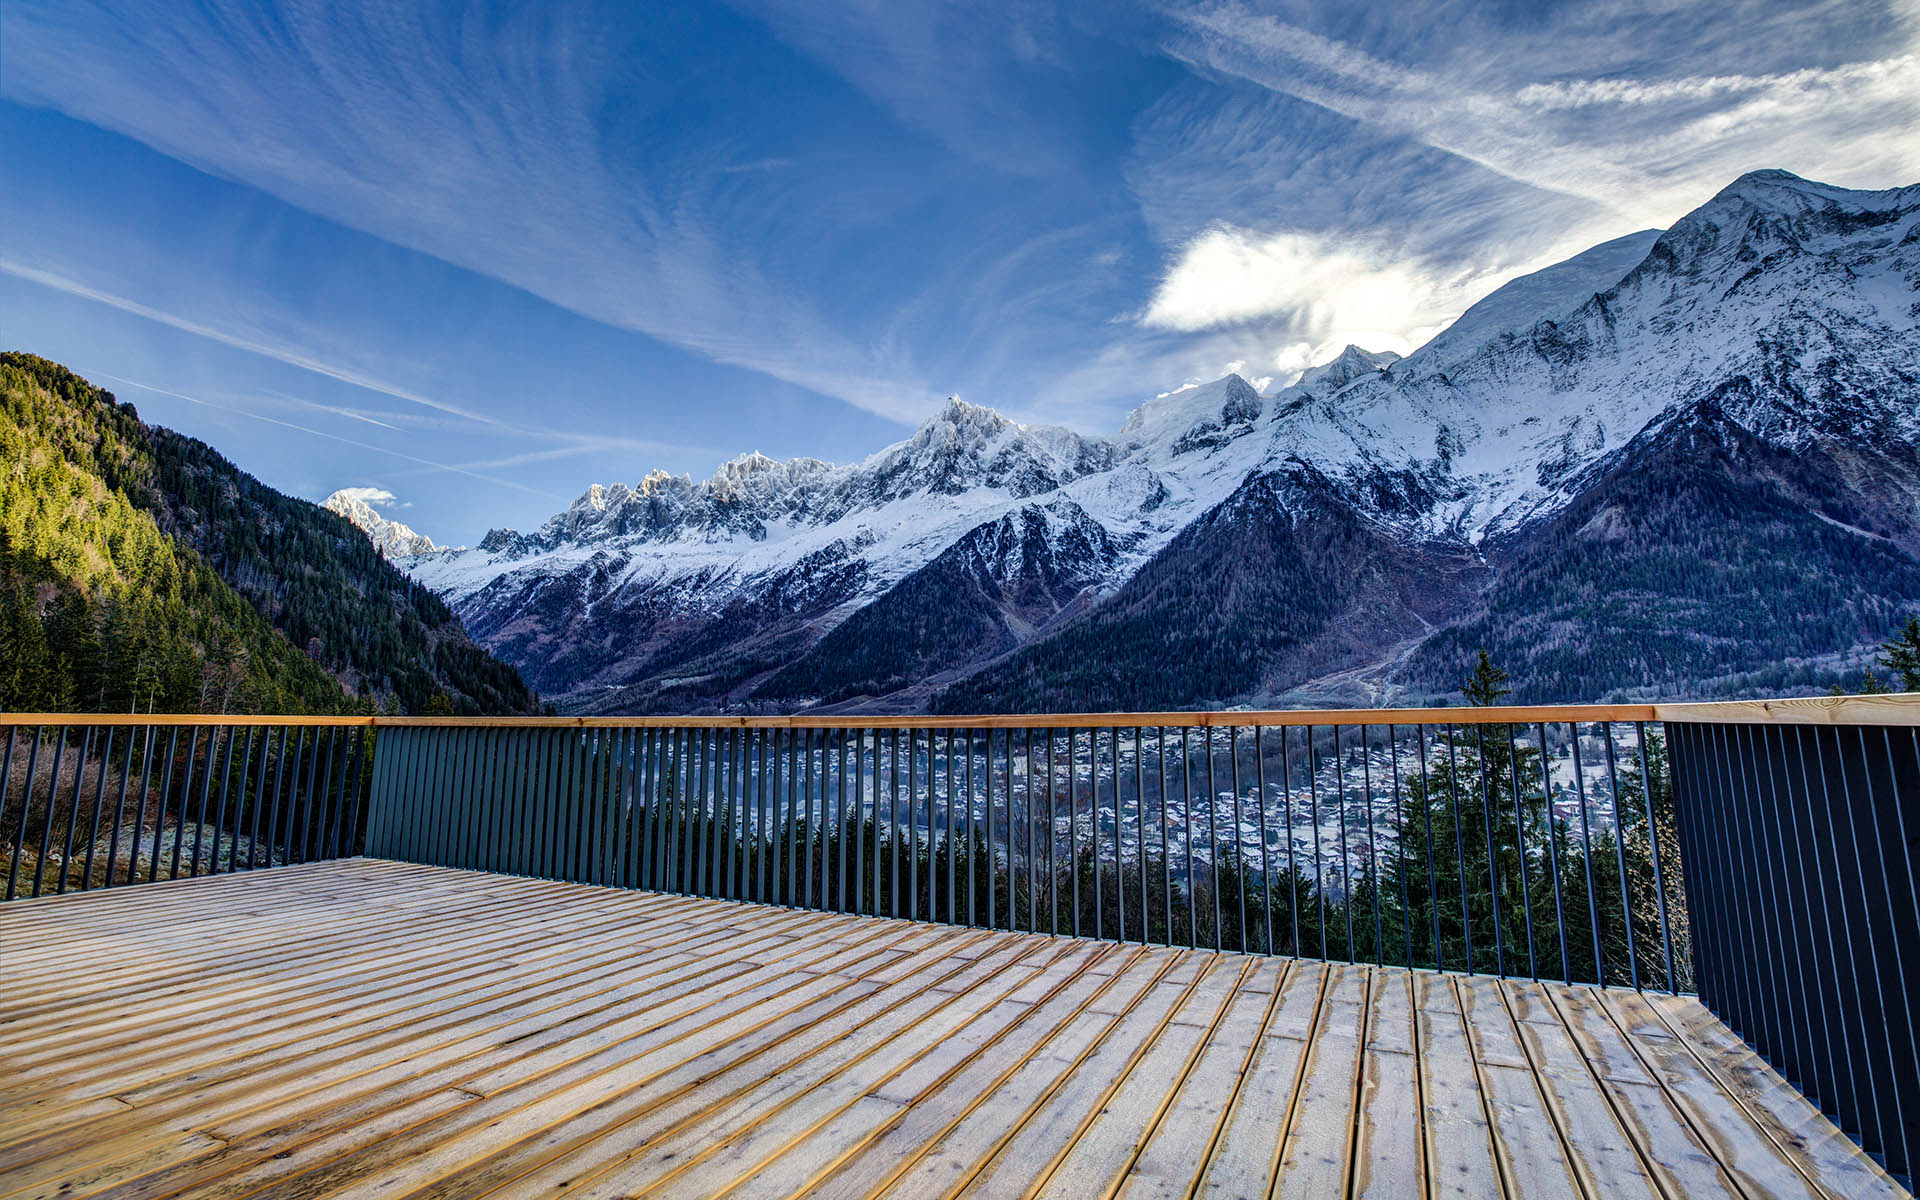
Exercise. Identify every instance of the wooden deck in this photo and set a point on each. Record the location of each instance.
(364, 1027)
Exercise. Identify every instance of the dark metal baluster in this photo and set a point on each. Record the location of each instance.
(1553, 854)
(626, 807)
(1620, 853)
(1073, 827)
(119, 807)
(329, 820)
(1139, 820)
(993, 843)
(840, 830)
(865, 884)
(893, 822)
(1239, 850)
(1586, 853)
(26, 806)
(1653, 840)
(1266, 850)
(706, 793)
(686, 857)
(1033, 849)
(220, 807)
(1186, 838)
(139, 816)
(1313, 800)
(737, 823)
(680, 850)
(1373, 845)
(1893, 887)
(747, 810)
(1213, 839)
(763, 860)
(1119, 840)
(673, 802)
(1053, 842)
(353, 840)
(52, 813)
(547, 749)
(1166, 858)
(259, 795)
(806, 814)
(1520, 847)
(971, 830)
(240, 801)
(1870, 1020)
(494, 783)
(953, 862)
(787, 830)
(306, 798)
(1804, 971)
(660, 780)
(1753, 831)
(1293, 870)
(6, 780)
(1400, 844)
(273, 801)
(166, 794)
(1346, 853)
(99, 799)
(1839, 946)
(53, 805)
(1460, 846)
(73, 809)
(1493, 861)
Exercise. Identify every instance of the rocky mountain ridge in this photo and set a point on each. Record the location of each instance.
(1359, 519)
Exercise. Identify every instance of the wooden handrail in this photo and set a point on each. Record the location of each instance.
(1900, 709)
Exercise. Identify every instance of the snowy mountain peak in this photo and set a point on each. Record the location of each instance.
(1349, 365)
(391, 537)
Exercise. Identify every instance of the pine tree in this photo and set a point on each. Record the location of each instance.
(1902, 656)
(1486, 685)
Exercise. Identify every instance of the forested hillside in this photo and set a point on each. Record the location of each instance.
(139, 568)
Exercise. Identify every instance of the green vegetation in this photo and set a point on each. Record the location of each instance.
(141, 570)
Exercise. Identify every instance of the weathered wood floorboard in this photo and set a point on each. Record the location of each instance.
(364, 1027)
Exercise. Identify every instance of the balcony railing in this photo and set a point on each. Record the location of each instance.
(1759, 854)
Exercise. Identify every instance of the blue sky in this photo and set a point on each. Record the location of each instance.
(480, 256)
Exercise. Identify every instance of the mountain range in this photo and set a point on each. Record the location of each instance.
(1684, 462)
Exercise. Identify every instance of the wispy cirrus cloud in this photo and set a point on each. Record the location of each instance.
(283, 354)
(483, 143)
(1468, 156)
(242, 411)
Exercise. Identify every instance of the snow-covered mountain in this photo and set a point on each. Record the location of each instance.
(393, 539)
(1349, 534)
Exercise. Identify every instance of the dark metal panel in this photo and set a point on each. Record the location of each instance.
(1805, 931)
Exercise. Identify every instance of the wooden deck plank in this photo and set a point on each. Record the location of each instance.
(456, 1073)
(1317, 1157)
(1247, 1153)
(365, 1027)
(1389, 1155)
(1461, 1159)
(672, 1127)
(1838, 1165)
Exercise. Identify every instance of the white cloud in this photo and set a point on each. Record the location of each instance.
(1329, 291)
(1643, 150)
(369, 495)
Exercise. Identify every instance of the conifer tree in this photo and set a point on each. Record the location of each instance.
(1901, 656)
